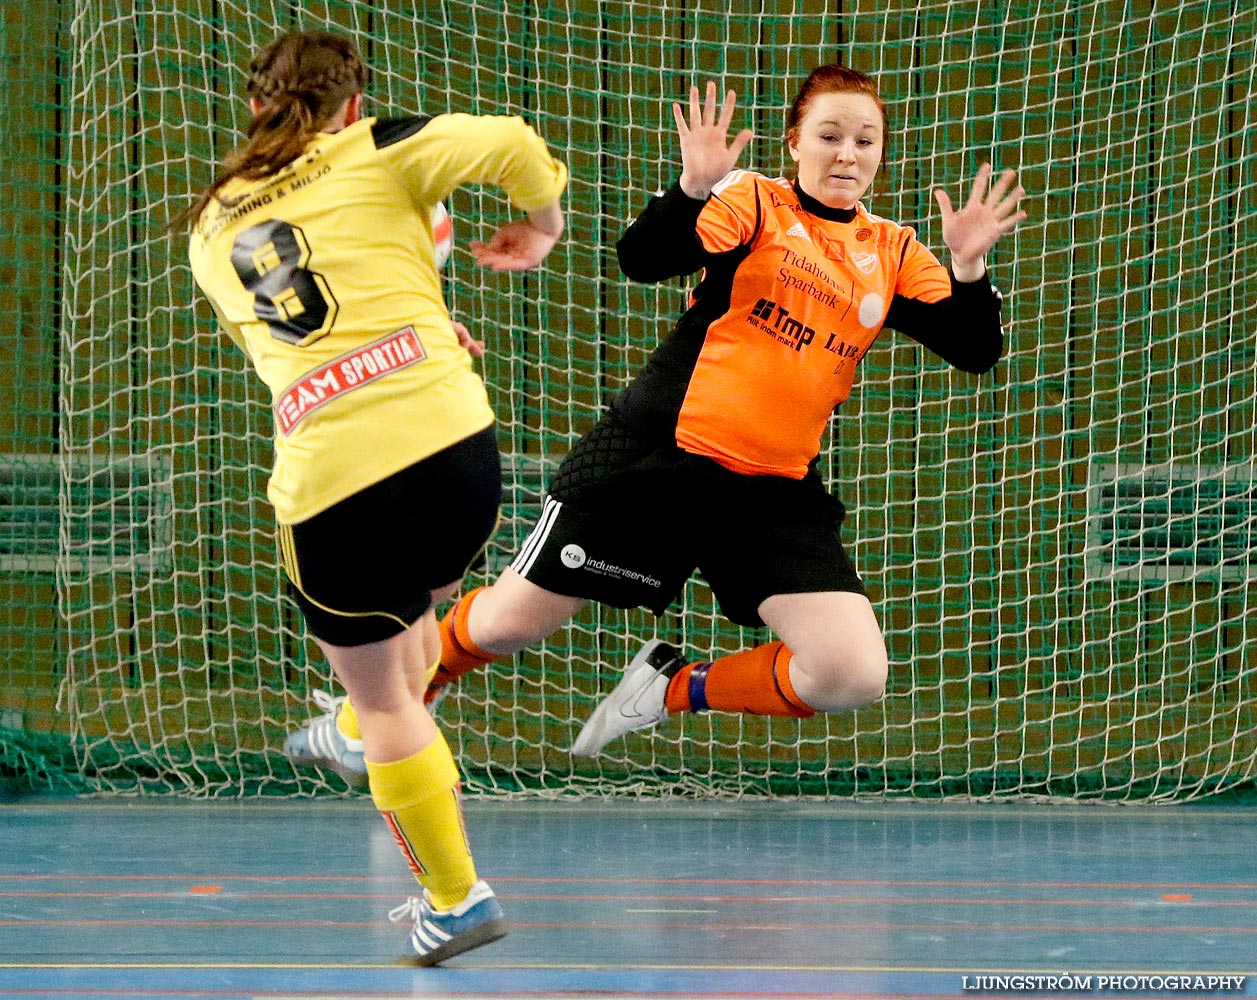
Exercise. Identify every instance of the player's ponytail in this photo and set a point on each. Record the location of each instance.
(300, 80)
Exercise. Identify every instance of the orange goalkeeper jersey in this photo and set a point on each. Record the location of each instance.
(793, 295)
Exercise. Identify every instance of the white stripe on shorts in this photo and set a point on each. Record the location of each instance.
(536, 539)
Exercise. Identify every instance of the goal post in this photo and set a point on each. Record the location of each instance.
(1063, 552)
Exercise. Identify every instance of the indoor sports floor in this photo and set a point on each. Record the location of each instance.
(110, 898)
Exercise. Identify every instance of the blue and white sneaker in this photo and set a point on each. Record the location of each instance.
(321, 744)
(637, 702)
(442, 934)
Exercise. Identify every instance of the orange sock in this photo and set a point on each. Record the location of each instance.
(458, 653)
(756, 681)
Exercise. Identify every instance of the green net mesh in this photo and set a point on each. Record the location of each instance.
(1062, 553)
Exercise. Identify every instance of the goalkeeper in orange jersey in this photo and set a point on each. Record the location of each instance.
(708, 459)
(314, 245)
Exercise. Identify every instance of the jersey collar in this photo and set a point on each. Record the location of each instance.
(814, 207)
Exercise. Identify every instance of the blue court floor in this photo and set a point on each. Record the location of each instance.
(109, 898)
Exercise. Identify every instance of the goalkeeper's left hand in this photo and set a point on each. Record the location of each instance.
(972, 230)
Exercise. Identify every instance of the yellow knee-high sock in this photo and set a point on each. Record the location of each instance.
(418, 798)
(347, 721)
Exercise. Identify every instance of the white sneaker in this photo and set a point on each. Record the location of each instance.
(636, 702)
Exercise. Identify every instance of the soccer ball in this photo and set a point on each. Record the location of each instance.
(442, 234)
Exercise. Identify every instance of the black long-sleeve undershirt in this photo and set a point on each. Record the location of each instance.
(963, 329)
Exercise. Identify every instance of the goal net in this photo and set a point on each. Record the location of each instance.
(1062, 553)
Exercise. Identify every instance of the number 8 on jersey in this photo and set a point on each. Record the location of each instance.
(295, 302)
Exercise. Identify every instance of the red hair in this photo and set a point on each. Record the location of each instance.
(832, 78)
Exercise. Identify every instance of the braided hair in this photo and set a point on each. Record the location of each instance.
(301, 79)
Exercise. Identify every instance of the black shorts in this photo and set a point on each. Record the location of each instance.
(626, 523)
(364, 569)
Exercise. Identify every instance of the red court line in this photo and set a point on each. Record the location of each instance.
(611, 880)
(714, 925)
(879, 883)
(340, 994)
(532, 995)
(638, 898)
(199, 924)
(577, 994)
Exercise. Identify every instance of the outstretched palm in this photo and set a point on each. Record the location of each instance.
(706, 154)
(973, 230)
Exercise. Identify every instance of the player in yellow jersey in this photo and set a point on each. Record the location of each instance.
(314, 245)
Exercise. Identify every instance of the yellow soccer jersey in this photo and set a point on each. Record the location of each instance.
(323, 273)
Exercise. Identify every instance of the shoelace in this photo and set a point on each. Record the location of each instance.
(408, 910)
(325, 701)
